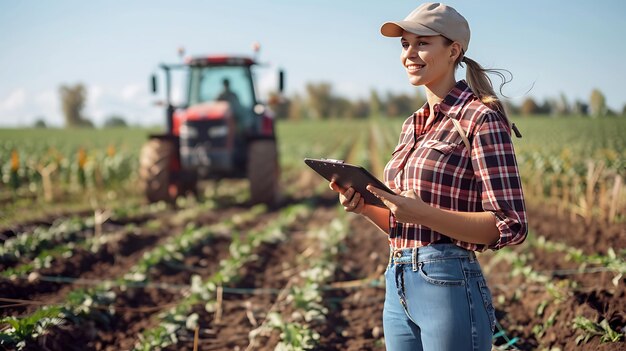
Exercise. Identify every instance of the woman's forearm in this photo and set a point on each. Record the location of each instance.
(377, 215)
(472, 227)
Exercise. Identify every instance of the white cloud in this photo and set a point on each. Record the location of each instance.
(267, 81)
(129, 101)
(130, 92)
(47, 98)
(94, 93)
(14, 101)
(47, 105)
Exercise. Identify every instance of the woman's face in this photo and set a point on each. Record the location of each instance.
(427, 60)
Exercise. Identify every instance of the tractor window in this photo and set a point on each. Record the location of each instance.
(221, 83)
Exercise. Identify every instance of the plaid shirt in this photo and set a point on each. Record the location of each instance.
(434, 161)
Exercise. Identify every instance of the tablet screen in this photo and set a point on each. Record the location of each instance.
(347, 175)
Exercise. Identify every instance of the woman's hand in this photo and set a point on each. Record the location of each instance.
(350, 199)
(406, 207)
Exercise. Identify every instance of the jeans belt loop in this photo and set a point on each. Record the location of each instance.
(414, 259)
(390, 256)
(472, 256)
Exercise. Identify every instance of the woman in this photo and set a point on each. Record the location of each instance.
(458, 191)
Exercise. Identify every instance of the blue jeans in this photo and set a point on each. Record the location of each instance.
(437, 300)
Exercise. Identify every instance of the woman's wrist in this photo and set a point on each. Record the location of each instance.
(367, 211)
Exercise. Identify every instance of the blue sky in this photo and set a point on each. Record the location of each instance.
(113, 47)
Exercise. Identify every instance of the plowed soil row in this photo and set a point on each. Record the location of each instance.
(136, 306)
(518, 310)
(355, 319)
(592, 238)
(106, 262)
(261, 281)
(544, 319)
(533, 314)
(111, 261)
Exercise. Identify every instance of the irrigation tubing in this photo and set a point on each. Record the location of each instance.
(361, 283)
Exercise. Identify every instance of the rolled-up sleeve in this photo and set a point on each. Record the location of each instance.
(497, 174)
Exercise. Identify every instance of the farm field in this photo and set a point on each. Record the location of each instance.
(87, 264)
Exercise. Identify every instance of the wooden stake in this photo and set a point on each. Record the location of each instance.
(46, 181)
(218, 309)
(195, 339)
(100, 217)
(250, 314)
(615, 197)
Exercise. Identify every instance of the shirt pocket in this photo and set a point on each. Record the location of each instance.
(443, 147)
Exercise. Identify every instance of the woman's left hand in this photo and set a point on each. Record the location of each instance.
(406, 207)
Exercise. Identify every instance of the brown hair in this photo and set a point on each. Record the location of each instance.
(480, 83)
(478, 80)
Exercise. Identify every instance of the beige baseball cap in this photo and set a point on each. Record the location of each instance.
(431, 18)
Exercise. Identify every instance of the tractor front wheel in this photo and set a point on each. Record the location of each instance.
(155, 172)
(263, 172)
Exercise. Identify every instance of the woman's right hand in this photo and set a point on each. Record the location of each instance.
(351, 200)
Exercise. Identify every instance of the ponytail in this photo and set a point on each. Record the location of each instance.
(480, 83)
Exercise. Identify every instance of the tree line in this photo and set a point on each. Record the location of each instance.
(73, 100)
(320, 101)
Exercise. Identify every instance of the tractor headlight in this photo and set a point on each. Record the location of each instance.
(188, 132)
(218, 132)
(259, 109)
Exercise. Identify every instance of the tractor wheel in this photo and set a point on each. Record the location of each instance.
(154, 170)
(263, 172)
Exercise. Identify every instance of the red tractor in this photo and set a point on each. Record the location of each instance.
(221, 131)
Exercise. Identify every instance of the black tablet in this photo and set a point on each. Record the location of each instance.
(347, 175)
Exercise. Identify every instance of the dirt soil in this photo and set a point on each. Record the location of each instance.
(539, 317)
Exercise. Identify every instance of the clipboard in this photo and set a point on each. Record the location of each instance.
(347, 175)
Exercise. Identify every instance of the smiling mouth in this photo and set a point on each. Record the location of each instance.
(414, 67)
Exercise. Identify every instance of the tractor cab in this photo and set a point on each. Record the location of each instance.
(221, 131)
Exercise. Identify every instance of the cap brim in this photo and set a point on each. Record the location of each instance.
(395, 29)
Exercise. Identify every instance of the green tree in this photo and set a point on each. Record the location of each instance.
(73, 100)
(115, 121)
(279, 104)
(341, 107)
(297, 108)
(562, 106)
(40, 122)
(375, 108)
(546, 107)
(420, 99)
(361, 109)
(320, 99)
(400, 105)
(597, 103)
(529, 107)
(510, 107)
(580, 108)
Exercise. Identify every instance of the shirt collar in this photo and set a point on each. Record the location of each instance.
(452, 104)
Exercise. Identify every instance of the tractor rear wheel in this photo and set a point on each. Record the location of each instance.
(155, 160)
(263, 172)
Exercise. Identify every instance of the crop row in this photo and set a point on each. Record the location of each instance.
(299, 309)
(48, 172)
(585, 177)
(65, 235)
(180, 319)
(96, 303)
(554, 289)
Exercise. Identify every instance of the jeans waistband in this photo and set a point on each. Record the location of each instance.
(428, 253)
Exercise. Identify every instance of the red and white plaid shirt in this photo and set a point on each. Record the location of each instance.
(434, 161)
